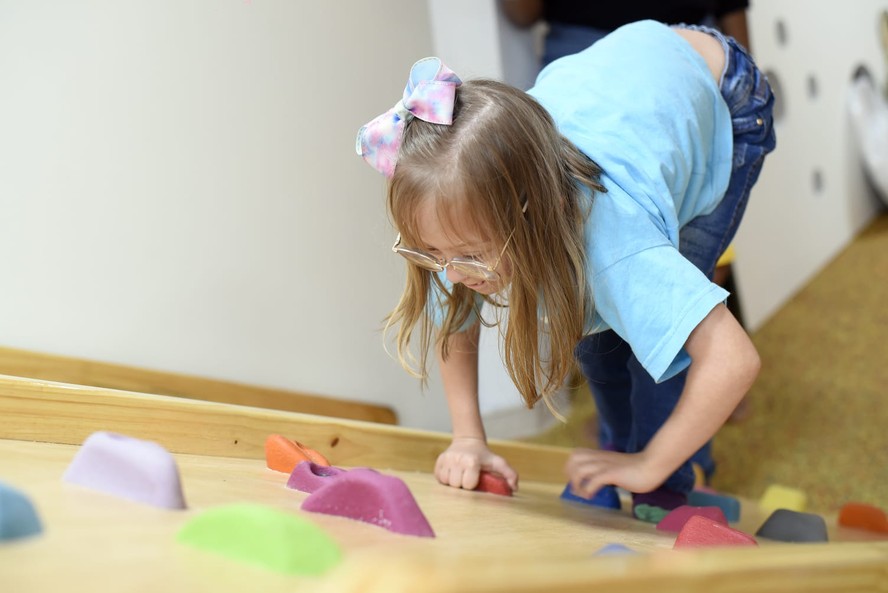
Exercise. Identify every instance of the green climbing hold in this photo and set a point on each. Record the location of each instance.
(278, 541)
(649, 513)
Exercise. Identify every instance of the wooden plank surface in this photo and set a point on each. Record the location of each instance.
(61, 413)
(35, 365)
(81, 523)
(531, 542)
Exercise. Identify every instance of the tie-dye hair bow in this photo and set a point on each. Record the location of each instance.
(429, 95)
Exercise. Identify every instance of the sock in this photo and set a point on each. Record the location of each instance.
(653, 506)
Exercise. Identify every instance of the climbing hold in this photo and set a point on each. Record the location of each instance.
(308, 476)
(127, 467)
(863, 516)
(282, 454)
(783, 497)
(677, 518)
(653, 506)
(372, 497)
(649, 513)
(614, 550)
(260, 535)
(606, 497)
(792, 526)
(18, 518)
(730, 506)
(493, 483)
(701, 531)
(699, 476)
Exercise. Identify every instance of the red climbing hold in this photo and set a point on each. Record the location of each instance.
(493, 483)
(677, 518)
(701, 532)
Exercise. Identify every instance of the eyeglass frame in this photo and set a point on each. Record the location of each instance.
(439, 265)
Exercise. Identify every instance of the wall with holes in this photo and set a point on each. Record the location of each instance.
(812, 196)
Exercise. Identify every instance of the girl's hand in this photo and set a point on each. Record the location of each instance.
(590, 469)
(461, 464)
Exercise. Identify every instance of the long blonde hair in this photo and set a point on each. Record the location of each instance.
(503, 151)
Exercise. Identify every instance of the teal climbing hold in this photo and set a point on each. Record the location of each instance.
(18, 519)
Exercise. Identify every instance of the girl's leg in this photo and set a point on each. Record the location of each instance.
(602, 358)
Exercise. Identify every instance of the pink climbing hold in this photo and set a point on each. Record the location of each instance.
(308, 476)
(493, 483)
(366, 495)
(702, 532)
(677, 517)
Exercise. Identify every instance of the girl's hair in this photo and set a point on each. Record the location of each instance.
(503, 151)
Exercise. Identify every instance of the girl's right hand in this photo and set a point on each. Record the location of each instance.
(461, 464)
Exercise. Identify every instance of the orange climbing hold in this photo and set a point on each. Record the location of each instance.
(863, 516)
(282, 454)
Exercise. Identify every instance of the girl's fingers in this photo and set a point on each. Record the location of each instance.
(500, 466)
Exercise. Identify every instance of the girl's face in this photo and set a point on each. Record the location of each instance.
(445, 243)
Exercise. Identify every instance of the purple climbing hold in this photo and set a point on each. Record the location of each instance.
(129, 468)
(372, 497)
(308, 476)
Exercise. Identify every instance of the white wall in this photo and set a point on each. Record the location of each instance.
(792, 229)
(179, 188)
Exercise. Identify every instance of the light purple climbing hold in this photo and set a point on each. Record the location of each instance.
(127, 467)
(308, 476)
(372, 497)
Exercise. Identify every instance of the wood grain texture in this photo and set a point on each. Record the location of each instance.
(64, 369)
(62, 413)
(527, 543)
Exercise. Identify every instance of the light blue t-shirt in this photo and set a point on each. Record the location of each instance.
(643, 104)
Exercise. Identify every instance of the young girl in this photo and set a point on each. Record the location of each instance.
(595, 206)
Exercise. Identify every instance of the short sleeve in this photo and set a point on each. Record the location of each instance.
(654, 299)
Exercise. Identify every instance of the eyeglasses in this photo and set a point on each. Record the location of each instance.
(467, 266)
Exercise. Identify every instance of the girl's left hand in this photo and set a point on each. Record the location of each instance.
(590, 469)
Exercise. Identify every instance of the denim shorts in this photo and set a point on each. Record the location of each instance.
(751, 104)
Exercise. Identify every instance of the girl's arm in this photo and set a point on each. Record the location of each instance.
(460, 465)
(723, 368)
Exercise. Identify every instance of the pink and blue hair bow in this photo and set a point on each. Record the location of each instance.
(429, 95)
